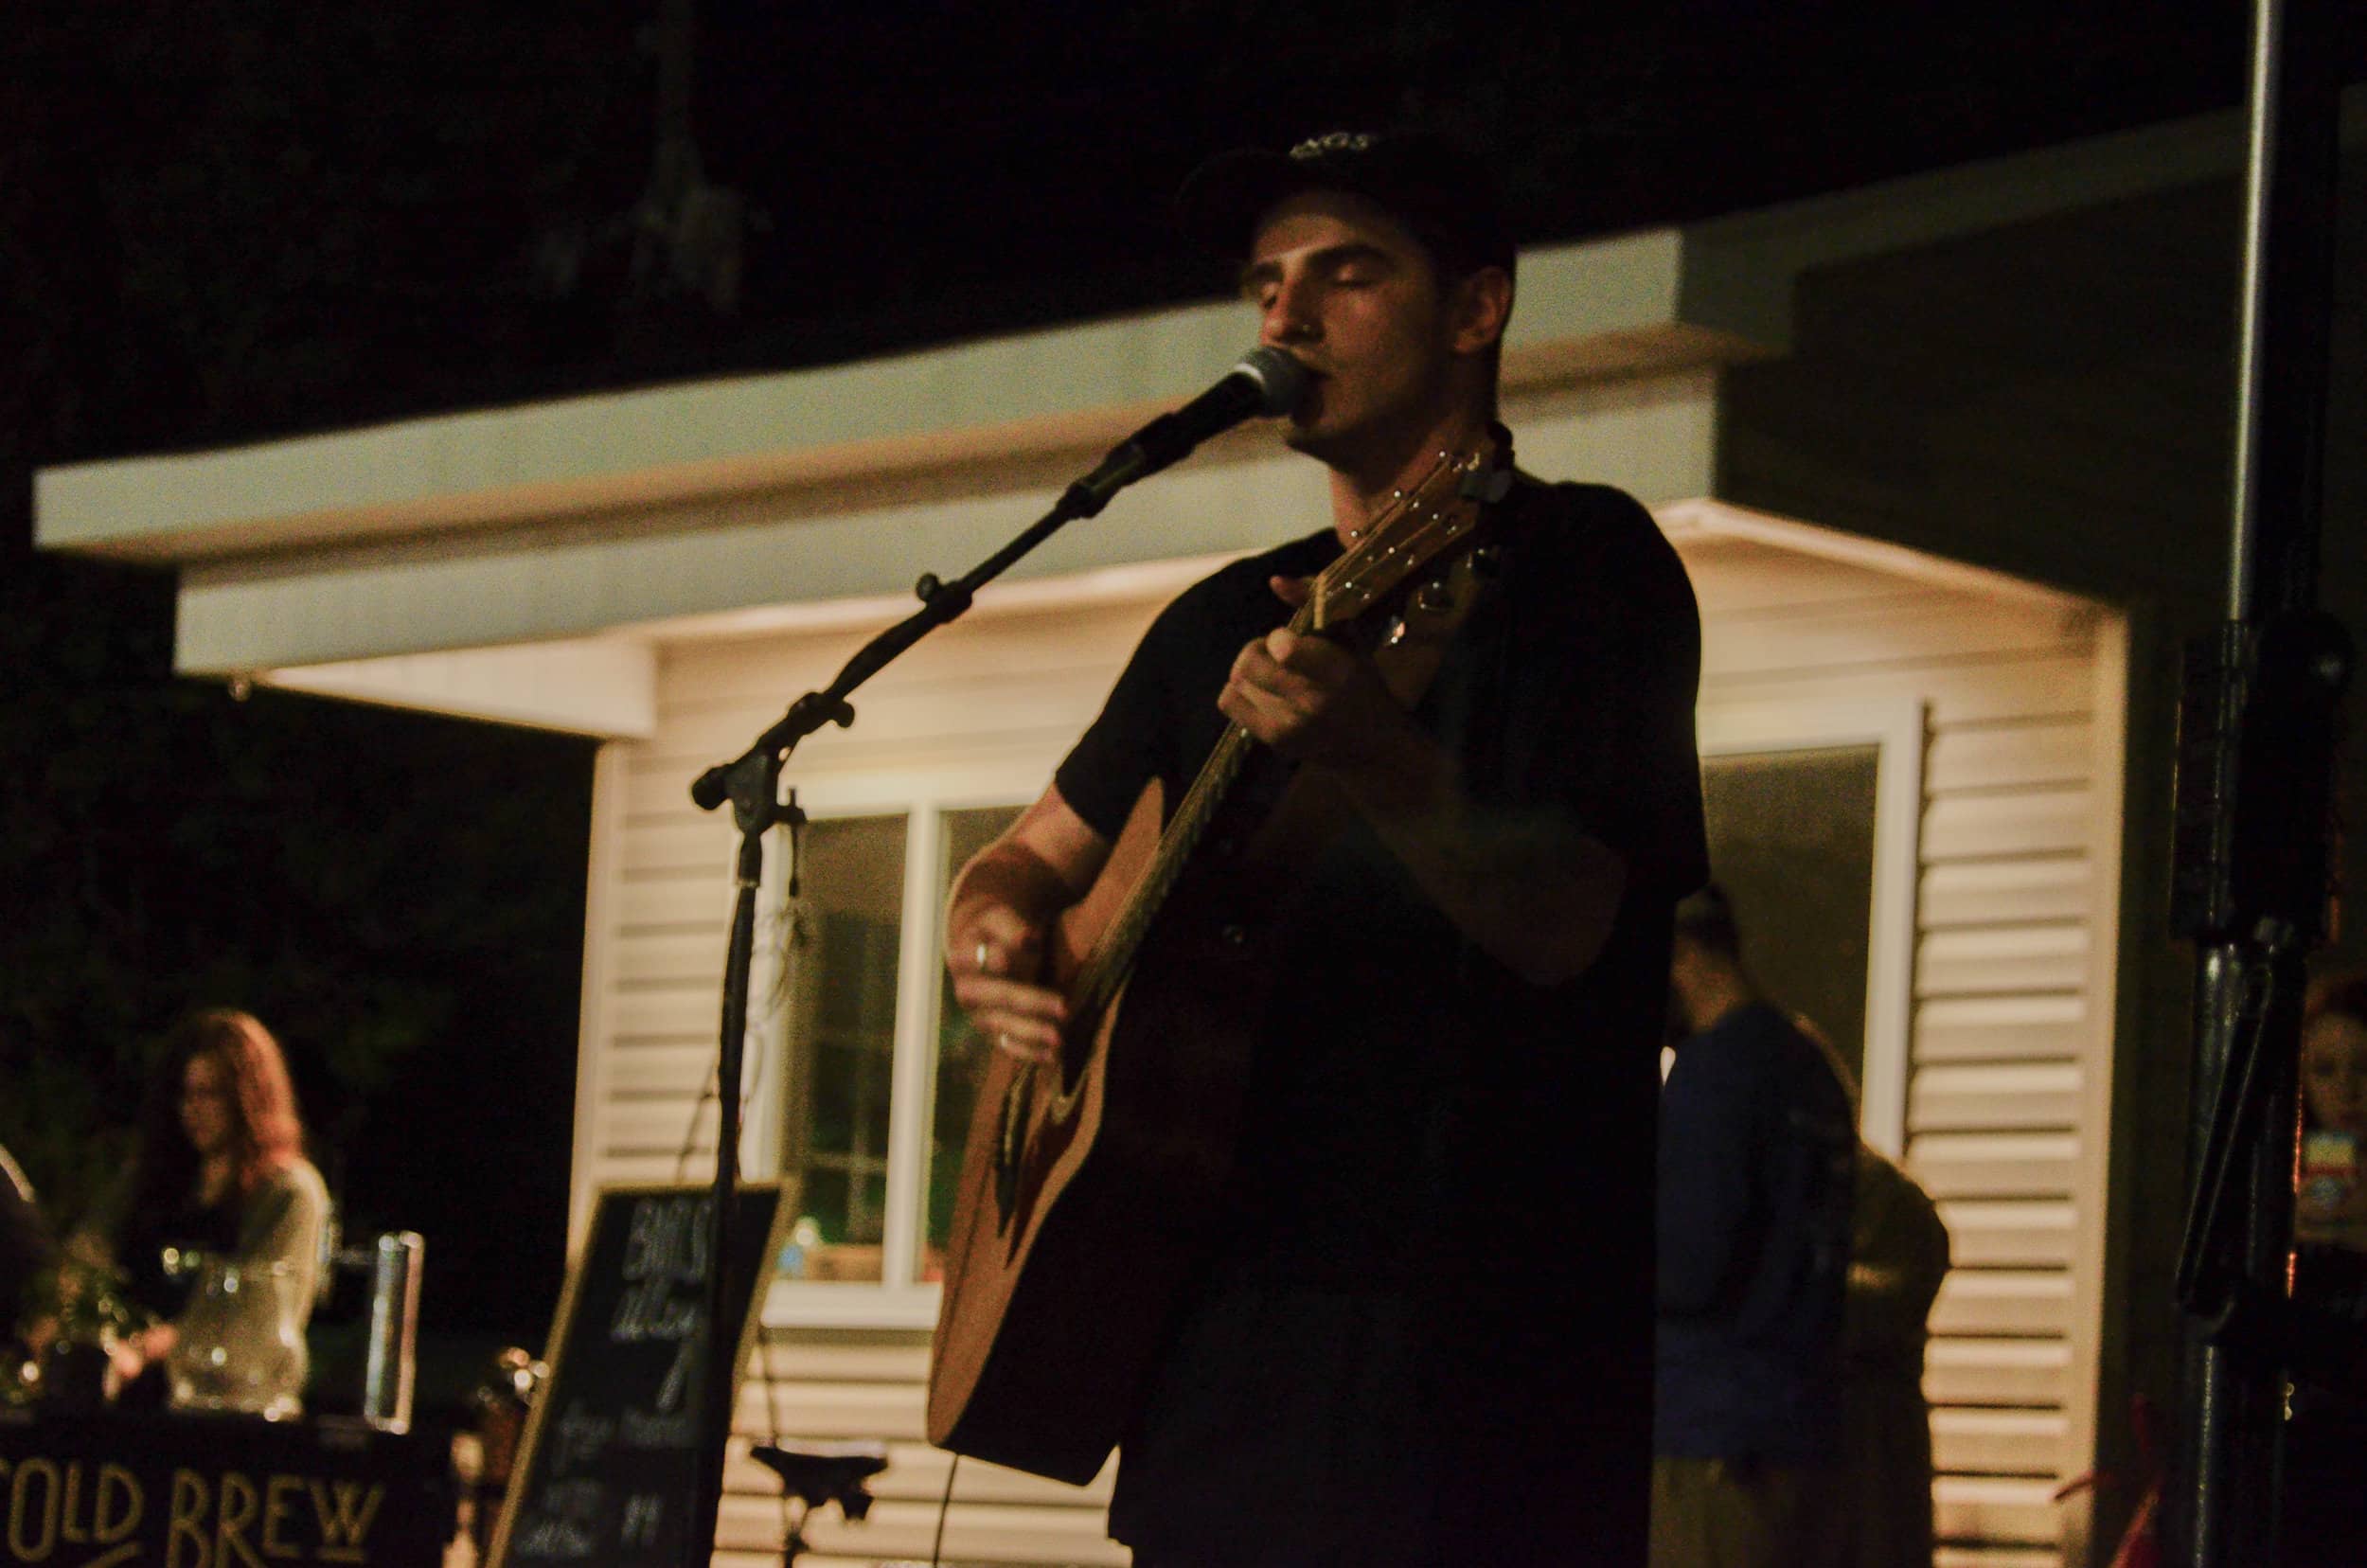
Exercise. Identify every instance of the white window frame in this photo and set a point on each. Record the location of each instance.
(1897, 729)
(922, 796)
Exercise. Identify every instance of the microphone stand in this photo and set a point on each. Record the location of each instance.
(2252, 875)
(752, 783)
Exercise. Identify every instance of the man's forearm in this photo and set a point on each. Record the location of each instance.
(1011, 876)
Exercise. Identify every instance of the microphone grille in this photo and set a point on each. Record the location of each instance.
(1281, 379)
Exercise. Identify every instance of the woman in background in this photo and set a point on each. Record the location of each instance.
(2331, 1208)
(220, 1170)
(2325, 1437)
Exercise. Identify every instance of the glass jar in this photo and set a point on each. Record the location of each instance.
(242, 1340)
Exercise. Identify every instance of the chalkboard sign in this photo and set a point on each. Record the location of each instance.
(609, 1457)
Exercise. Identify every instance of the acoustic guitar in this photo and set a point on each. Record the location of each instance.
(1089, 1186)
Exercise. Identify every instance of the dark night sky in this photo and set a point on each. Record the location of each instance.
(275, 216)
(227, 220)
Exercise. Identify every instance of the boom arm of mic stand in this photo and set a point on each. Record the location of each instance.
(940, 602)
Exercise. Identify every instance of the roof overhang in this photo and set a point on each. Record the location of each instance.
(524, 563)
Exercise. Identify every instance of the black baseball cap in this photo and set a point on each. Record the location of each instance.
(1437, 188)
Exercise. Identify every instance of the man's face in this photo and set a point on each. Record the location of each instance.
(1343, 287)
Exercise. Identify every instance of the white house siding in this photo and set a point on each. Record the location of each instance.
(833, 1385)
(2011, 1038)
(2007, 1059)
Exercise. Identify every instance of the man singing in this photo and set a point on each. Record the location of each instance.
(1423, 1334)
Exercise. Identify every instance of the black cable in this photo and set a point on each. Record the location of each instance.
(711, 1090)
(691, 1134)
(710, 1093)
(945, 1505)
(790, 1529)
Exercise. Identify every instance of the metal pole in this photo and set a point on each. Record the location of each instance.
(2235, 1394)
(2268, 43)
(755, 808)
(2257, 905)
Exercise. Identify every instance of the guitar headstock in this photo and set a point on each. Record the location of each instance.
(1440, 511)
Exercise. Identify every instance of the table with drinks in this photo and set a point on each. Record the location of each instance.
(219, 1466)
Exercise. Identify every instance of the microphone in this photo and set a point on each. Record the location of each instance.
(1266, 383)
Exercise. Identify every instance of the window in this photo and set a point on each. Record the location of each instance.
(1791, 840)
(877, 1067)
(840, 972)
(1814, 816)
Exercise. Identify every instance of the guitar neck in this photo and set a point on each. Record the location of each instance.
(1439, 512)
(1099, 980)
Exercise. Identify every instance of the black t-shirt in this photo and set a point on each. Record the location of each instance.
(1434, 1274)
(1420, 1113)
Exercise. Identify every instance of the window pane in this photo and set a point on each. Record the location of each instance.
(1791, 840)
(839, 970)
(959, 1059)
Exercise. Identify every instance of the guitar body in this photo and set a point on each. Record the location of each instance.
(1058, 1284)
(1090, 1188)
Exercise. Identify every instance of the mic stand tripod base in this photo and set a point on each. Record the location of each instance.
(818, 1476)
